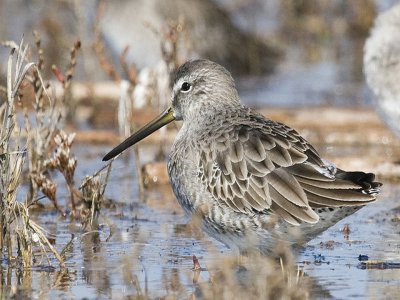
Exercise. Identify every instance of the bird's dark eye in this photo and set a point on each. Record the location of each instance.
(186, 86)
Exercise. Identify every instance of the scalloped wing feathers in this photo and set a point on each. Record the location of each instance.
(270, 167)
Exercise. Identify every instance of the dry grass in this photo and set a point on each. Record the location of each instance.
(20, 234)
(31, 151)
(49, 117)
(93, 188)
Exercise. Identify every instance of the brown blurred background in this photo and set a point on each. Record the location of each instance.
(313, 48)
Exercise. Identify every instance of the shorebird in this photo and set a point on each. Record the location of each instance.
(247, 178)
(382, 66)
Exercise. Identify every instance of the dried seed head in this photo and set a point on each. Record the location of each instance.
(48, 187)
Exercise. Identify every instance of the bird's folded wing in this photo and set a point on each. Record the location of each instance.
(272, 168)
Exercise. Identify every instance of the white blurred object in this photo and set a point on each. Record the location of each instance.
(35, 238)
(144, 89)
(382, 66)
(163, 89)
(152, 87)
(124, 109)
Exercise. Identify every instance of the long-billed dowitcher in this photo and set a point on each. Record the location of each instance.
(238, 170)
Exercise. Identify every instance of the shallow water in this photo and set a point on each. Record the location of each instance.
(142, 248)
(374, 232)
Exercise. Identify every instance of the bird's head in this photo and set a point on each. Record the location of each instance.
(201, 88)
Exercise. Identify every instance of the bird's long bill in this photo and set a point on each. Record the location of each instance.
(163, 119)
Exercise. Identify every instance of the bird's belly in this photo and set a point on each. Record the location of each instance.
(236, 230)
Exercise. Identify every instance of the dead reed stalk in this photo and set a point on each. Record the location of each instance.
(19, 234)
(93, 188)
